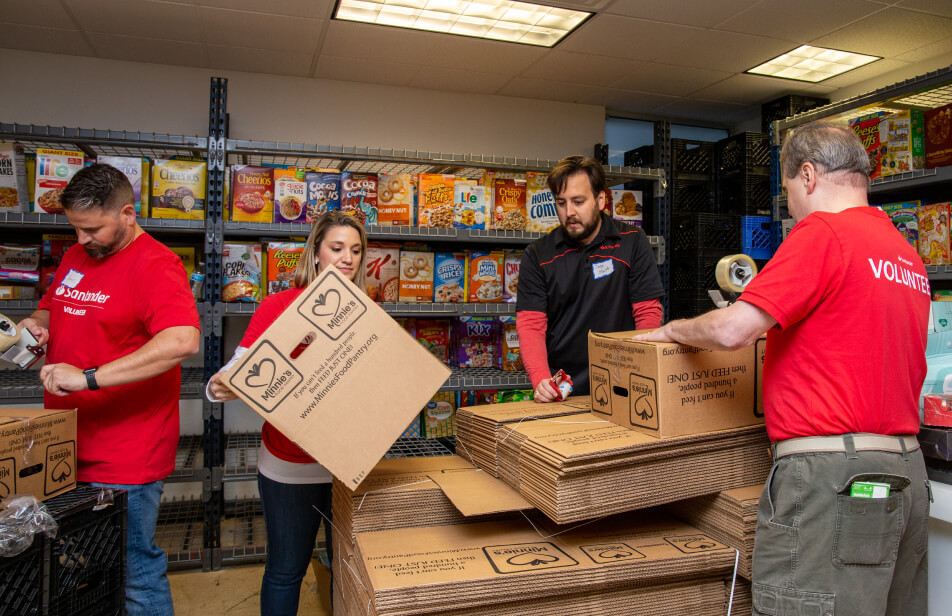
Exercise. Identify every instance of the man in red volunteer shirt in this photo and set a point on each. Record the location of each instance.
(119, 318)
(843, 519)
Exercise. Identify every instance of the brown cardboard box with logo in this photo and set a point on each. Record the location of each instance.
(667, 389)
(37, 451)
(308, 375)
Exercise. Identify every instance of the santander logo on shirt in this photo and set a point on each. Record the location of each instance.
(97, 297)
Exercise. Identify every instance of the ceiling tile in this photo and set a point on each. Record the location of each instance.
(702, 13)
(350, 69)
(528, 87)
(456, 80)
(668, 79)
(579, 68)
(480, 55)
(136, 49)
(622, 37)
(726, 51)
(907, 30)
(802, 24)
(267, 61)
(260, 31)
(748, 89)
(632, 102)
(45, 13)
(880, 67)
(382, 43)
(315, 9)
(927, 52)
(146, 18)
(47, 40)
(721, 113)
(936, 7)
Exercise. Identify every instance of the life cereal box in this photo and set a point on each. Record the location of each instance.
(905, 148)
(280, 262)
(450, 277)
(628, 205)
(540, 204)
(359, 196)
(416, 276)
(54, 170)
(178, 189)
(934, 234)
(436, 200)
(14, 195)
(241, 272)
(869, 130)
(470, 210)
(290, 195)
(132, 168)
(486, 276)
(477, 341)
(509, 205)
(394, 200)
(938, 142)
(323, 192)
(252, 194)
(904, 216)
(382, 269)
(510, 287)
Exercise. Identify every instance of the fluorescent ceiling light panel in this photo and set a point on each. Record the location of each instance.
(501, 20)
(813, 64)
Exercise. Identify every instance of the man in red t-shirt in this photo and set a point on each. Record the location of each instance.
(843, 518)
(118, 319)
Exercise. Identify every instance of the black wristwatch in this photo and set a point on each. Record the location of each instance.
(91, 378)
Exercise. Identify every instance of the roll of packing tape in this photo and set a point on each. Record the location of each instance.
(8, 333)
(733, 272)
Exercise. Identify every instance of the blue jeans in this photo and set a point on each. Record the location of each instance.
(147, 587)
(291, 524)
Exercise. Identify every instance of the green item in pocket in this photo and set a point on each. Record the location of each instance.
(868, 489)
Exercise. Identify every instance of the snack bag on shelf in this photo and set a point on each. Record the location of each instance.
(934, 244)
(323, 192)
(905, 218)
(435, 203)
(540, 204)
(178, 189)
(54, 247)
(358, 196)
(486, 276)
(438, 418)
(132, 168)
(241, 273)
(394, 200)
(450, 277)
(435, 335)
(628, 206)
(252, 194)
(938, 141)
(510, 287)
(14, 195)
(510, 358)
(280, 262)
(470, 210)
(905, 147)
(290, 195)
(54, 170)
(477, 339)
(509, 205)
(382, 269)
(416, 276)
(869, 129)
(20, 262)
(515, 395)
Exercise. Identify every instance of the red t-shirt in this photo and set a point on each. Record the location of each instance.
(851, 300)
(266, 314)
(103, 309)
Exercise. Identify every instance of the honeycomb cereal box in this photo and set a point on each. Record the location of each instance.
(869, 130)
(438, 418)
(934, 246)
(290, 195)
(905, 147)
(540, 204)
(358, 196)
(132, 168)
(436, 200)
(14, 195)
(938, 142)
(486, 276)
(323, 192)
(178, 189)
(904, 216)
(470, 210)
(382, 269)
(394, 200)
(509, 205)
(281, 259)
(252, 194)
(54, 170)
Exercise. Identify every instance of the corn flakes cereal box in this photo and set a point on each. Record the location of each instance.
(323, 192)
(436, 200)
(486, 276)
(904, 216)
(450, 277)
(509, 205)
(178, 189)
(628, 206)
(934, 247)
(54, 170)
(435, 335)
(510, 358)
(358, 196)
(241, 272)
(382, 269)
(281, 259)
(290, 195)
(510, 278)
(869, 130)
(14, 195)
(477, 339)
(470, 210)
(905, 143)
(438, 418)
(938, 141)
(541, 214)
(416, 276)
(394, 200)
(252, 194)
(131, 167)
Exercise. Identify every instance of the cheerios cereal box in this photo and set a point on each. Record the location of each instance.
(934, 245)
(54, 170)
(132, 168)
(540, 204)
(290, 195)
(252, 194)
(470, 210)
(14, 195)
(509, 205)
(435, 204)
(394, 200)
(178, 189)
(486, 276)
(358, 196)
(416, 276)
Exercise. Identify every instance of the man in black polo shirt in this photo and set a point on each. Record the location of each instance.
(590, 273)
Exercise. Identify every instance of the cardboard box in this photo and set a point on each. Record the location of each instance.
(324, 375)
(934, 242)
(667, 389)
(37, 451)
(937, 411)
(904, 151)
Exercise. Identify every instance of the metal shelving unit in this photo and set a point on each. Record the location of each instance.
(241, 455)
(188, 459)
(180, 532)
(400, 309)
(485, 378)
(24, 386)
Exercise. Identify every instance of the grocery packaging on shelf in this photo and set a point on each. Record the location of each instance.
(937, 411)
(435, 203)
(20, 262)
(510, 287)
(509, 204)
(486, 276)
(55, 246)
(358, 196)
(15, 291)
(904, 150)
(435, 336)
(290, 195)
(382, 269)
(905, 218)
(934, 245)
(323, 192)
(40, 450)
(938, 142)
(869, 129)
(515, 395)
(241, 272)
(416, 276)
(450, 280)
(14, 194)
(252, 194)
(281, 261)
(188, 256)
(510, 358)
(628, 206)
(477, 341)
(541, 214)
(178, 189)
(132, 168)
(438, 418)
(470, 209)
(394, 200)
(54, 170)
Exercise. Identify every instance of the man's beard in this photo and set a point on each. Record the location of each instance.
(98, 251)
(584, 232)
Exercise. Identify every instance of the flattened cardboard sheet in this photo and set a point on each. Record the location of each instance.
(479, 493)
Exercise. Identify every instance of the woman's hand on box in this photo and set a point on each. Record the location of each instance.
(220, 389)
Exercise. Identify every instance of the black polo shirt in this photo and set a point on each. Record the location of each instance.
(582, 288)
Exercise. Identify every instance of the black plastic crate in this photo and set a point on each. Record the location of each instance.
(693, 276)
(692, 196)
(21, 582)
(744, 195)
(690, 157)
(694, 233)
(787, 106)
(640, 157)
(689, 307)
(743, 153)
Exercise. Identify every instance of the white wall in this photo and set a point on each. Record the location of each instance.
(109, 94)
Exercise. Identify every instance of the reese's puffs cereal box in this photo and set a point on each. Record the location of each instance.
(436, 200)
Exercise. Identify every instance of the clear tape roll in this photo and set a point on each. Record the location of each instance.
(7, 340)
(733, 272)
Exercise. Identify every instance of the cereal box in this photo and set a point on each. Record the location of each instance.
(358, 196)
(510, 279)
(178, 189)
(54, 169)
(144, 211)
(434, 334)
(30, 161)
(470, 210)
(241, 273)
(540, 204)
(394, 200)
(489, 180)
(438, 418)
(486, 276)
(13, 291)
(382, 268)
(252, 194)
(934, 234)
(14, 195)
(436, 200)
(280, 262)
(187, 255)
(627, 205)
(905, 218)
(290, 195)
(477, 340)
(416, 276)
(54, 247)
(407, 323)
(509, 205)
(510, 359)
(131, 167)
(905, 148)
(20, 262)
(323, 192)
(938, 141)
(869, 130)
(450, 277)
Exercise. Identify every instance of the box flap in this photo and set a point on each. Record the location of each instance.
(479, 493)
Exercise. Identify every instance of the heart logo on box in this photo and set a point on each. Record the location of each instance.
(260, 374)
(61, 472)
(532, 560)
(326, 304)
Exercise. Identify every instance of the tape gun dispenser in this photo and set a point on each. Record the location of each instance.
(732, 274)
(19, 348)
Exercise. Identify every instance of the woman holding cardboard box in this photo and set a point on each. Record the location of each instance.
(295, 490)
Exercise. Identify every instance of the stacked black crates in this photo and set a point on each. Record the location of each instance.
(787, 106)
(80, 572)
(698, 242)
(743, 175)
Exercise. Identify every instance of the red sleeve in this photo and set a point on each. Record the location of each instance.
(531, 327)
(267, 313)
(648, 314)
(168, 301)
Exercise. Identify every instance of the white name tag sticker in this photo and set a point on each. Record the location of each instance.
(600, 269)
(72, 279)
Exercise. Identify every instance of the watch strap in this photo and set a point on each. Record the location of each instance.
(91, 378)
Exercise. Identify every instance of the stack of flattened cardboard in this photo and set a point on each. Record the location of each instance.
(477, 427)
(743, 602)
(729, 516)
(649, 564)
(579, 467)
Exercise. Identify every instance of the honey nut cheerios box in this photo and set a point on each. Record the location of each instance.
(178, 189)
(435, 202)
(252, 194)
(394, 200)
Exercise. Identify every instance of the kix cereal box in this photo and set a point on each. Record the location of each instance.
(394, 200)
(540, 204)
(290, 195)
(470, 210)
(178, 189)
(252, 194)
(323, 192)
(509, 205)
(436, 200)
(869, 130)
(358, 196)
(934, 245)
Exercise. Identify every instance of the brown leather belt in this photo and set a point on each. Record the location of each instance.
(827, 444)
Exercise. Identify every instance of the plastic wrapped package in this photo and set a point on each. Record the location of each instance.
(22, 517)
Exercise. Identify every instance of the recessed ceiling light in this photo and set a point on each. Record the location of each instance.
(813, 64)
(501, 20)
